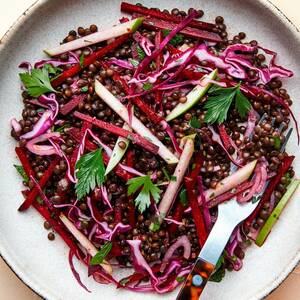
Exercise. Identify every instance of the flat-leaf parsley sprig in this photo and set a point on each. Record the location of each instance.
(219, 101)
(148, 188)
(90, 172)
(37, 82)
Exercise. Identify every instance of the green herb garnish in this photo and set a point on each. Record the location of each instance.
(141, 53)
(37, 82)
(53, 70)
(90, 172)
(134, 62)
(183, 198)
(180, 279)
(166, 173)
(277, 142)
(102, 253)
(84, 89)
(147, 86)
(219, 272)
(177, 39)
(195, 122)
(155, 225)
(81, 60)
(124, 281)
(22, 172)
(220, 100)
(61, 129)
(153, 65)
(147, 189)
(255, 198)
(39, 200)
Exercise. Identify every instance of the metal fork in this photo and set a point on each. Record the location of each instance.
(230, 214)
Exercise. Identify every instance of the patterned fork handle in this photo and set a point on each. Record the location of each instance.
(196, 280)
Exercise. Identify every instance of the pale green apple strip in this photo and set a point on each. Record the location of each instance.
(192, 97)
(97, 37)
(266, 229)
(118, 152)
(136, 124)
(231, 181)
(84, 242)
(172, 189)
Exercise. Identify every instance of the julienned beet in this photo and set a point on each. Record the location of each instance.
(206, 119)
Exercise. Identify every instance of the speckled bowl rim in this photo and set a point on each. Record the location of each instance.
(9, 260)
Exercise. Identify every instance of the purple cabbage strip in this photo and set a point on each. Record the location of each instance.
(26, 66)
(15, 125)
(42, 194)
(266, 74)
(121, 63)
(166, 40)
(75, 273)
(170, 64)
(56, 63)
(202, 53)
(171, 286)
(41, 126)
(37, 149)
(73, 207)
(47, 118)
(275, 70)
(139, 261)
(216, 138)
(202, 202)
(182, 241)
(105, 197)
(252, 118)
(108, 233)
(278, 100)
(259, 180)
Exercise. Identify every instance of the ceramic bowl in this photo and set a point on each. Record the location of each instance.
(43, 265)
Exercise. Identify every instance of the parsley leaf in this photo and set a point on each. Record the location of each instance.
(173, 178)
(134, 62)
(220, 100)
(37, 82)
(81, 60)
(153, 65)
(177, 39)
(155, 226)
(140, 52)
(84, 89)
(166, 173)
(183, 197)
(242, 104)
(102, 253)
(61, 129)
(22, 172)
(148, 189)
(194, 122)
(180, 279)
(39, 200)
(53, 70)
(219, 272)
(277, 142)
(147, 86)
(89, 172)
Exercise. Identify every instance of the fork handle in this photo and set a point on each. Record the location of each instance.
(196, 280)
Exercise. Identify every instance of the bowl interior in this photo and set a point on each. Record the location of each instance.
(23, 241)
